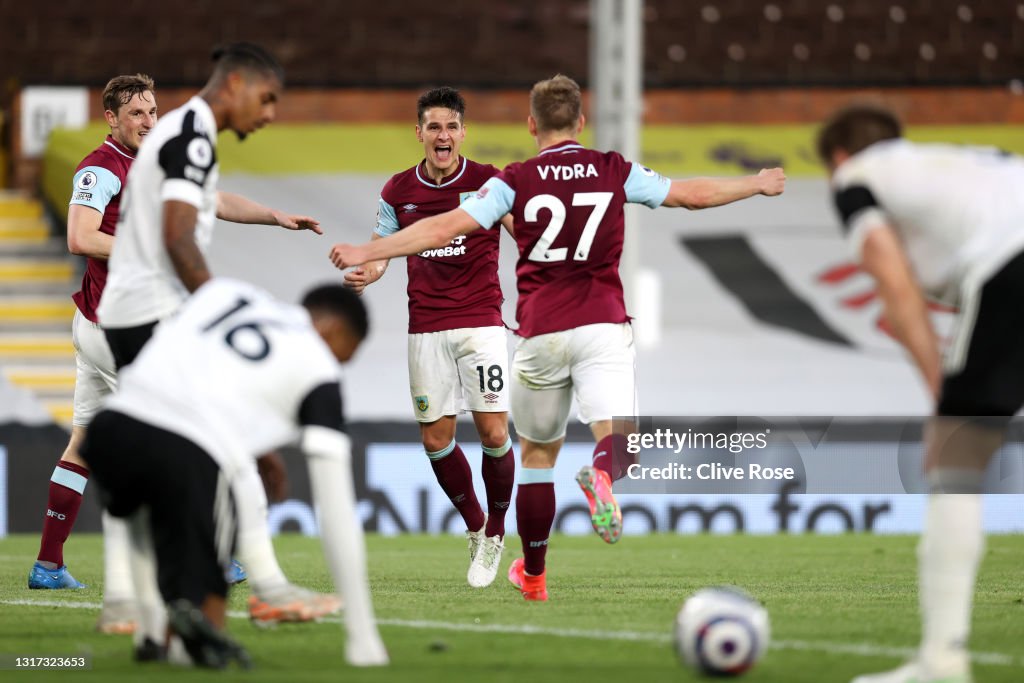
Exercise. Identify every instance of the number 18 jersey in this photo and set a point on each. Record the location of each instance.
(567, 206)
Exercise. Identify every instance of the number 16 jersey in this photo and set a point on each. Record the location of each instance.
(234, 371)
(567, 206)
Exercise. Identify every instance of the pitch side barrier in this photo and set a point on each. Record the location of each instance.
(848, 474)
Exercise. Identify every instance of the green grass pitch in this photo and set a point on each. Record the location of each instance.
(840, 606)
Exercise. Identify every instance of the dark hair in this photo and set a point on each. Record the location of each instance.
(855, 128)
(556, 103)
(444, 97)
(246, 57)
(121, 89)
(340, 301)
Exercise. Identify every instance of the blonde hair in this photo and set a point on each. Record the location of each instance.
(556, 103)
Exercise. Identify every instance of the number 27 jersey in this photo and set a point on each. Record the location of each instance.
(567, 206)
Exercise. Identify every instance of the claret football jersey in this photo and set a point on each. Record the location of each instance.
(97, 184)
(456, 285)
(567, 206)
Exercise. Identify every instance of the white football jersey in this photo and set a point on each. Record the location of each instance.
(177, 161)
(235, 371)
(958, 210)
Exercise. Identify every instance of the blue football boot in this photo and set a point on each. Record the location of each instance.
(41, 577)
(236, 573)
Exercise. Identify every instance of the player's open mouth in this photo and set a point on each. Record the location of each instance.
(444, 153)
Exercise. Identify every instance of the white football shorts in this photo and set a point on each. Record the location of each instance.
(95, 376)
(457, 370)
(594, 363)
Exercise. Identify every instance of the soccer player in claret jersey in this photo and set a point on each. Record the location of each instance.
(130, 110)
(458, 354)
(946, 222)
(574, 333)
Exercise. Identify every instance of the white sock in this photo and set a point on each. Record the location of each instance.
(341, 533)
(948, 557)
(255, 549)
(152, 613)
(117, 571)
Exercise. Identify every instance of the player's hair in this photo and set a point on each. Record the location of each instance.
(340, 301)
(444, 97)
(245, 57)
(121, 89)
(556, 103)
(856, 127)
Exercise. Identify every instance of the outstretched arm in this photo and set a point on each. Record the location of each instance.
(237, 209)
(906, 310)
(703, 193)
(428, 233)
(341, 533)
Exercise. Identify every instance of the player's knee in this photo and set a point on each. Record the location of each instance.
(494, 436)
(435, 442)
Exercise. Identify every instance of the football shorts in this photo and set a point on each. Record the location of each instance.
(456, 370)
(95, 375)
(596, 364)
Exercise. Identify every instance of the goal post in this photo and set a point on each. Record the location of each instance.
(616, 88)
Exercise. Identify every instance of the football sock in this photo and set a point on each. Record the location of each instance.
(117, 573)
(255, 550)
(610, 455)
(948, 557)
(152, 622)
(456, 479)
(67, 484)
(535, 513)
(499, 472)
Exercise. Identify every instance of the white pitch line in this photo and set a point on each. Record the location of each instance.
(859, 649)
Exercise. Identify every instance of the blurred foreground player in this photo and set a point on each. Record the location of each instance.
(458, 346)
(574, 333)
(171, 207)
(234, 374)
(946, 222)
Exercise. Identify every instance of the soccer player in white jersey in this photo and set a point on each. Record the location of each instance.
(942, 222)
(168, 212)
(234, 374)
(575, 339)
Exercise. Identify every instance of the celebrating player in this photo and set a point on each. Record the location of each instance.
(232, 375)
(574, 333)
(158, 259)
(458, 354)
(129, 105)
(945, 222)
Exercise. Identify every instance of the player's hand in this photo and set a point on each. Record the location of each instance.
(294, 222)
(772, 181)
(274, 476)
(347, 255)
(358, 279)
